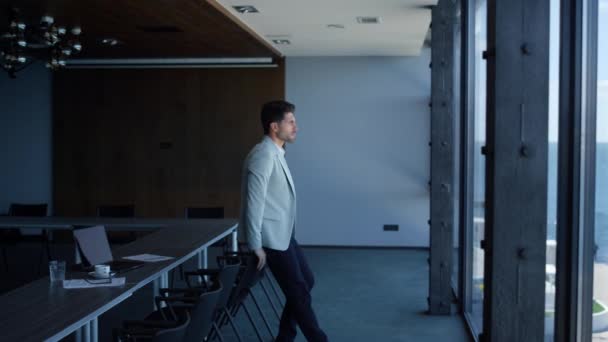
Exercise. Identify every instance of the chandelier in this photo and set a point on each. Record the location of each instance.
(23, 44)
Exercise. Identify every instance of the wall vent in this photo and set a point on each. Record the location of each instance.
(368, 20)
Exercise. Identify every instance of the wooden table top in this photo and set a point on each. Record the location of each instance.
(42, 311)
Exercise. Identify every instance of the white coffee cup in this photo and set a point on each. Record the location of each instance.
(102, 271)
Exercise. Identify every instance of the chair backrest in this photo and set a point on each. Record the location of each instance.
(248, 277)
(116, 211)
(227, 278)
(205, 213)
(17, 209)
(203, 314)
(175, 334)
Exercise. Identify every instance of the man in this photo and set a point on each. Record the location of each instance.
(268, 218)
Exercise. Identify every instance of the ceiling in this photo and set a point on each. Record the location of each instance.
(212, 28)
(401, 32)
(195, 28)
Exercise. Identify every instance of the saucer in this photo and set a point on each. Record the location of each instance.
(94, 275)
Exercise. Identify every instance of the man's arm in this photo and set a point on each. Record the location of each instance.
(258, 175)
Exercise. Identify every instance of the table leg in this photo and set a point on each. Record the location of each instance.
(202, 263)
(155, 292)
(159, 283)
(235, 241)
(86, 332)
(94, 330)
(164, 280)
(202, 259)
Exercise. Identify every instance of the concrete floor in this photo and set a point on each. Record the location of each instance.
(360, 295)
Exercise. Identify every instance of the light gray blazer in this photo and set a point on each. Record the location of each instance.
(268, 198)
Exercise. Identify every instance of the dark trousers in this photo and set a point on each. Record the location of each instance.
(296, 280)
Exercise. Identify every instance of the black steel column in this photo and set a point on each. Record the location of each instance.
(443, 118)
(516, 170)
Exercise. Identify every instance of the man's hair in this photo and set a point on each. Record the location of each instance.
(274, 111)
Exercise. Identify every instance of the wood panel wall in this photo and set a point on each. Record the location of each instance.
(147, 29)
(161, 139)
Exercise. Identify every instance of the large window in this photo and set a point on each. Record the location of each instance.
(573, 258)
(600, 284)
(475, 309)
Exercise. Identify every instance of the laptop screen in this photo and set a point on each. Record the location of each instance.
(94, 245)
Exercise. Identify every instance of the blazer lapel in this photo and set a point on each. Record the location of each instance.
(273, 147)
(287, 174)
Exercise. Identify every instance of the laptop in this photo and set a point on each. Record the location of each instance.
(95, 249)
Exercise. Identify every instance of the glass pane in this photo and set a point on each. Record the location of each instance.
(600, 283)
(479, 167)
(552, 171)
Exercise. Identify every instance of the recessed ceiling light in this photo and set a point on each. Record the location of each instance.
(281, 41)
(245, 9)
(335, 26)
(368, 20)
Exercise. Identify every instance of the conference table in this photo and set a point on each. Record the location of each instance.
(111, 223)
(51, 223)
(45, 311)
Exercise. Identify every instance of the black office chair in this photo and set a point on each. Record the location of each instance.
(212, 213)
(199, 304)
(268, 276)
(217, 213)
(118, 211)
(202, 213)
(248, 278)
(208, 213)
(32, 210)
(229, 268)
(11, 237)
(205, 212)
(8, 238)
(166, 331)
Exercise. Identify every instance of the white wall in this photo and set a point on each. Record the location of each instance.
(361, 159)
(25, 137)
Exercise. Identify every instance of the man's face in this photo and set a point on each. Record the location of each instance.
(287, 129)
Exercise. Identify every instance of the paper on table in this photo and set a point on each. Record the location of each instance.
(148, 258)
(83, 284)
